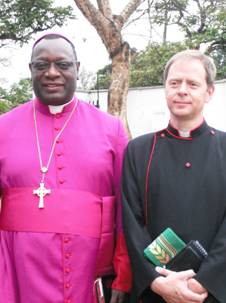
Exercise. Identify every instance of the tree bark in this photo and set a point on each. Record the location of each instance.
(118, 90)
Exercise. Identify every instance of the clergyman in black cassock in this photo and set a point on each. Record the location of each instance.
(176, 178)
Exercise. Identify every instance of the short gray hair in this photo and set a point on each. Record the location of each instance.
(206, 61)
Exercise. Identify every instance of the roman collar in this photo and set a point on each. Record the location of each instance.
(199, 130)
(44, 109)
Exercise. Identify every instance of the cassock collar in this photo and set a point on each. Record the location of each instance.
(170, 130)
(45, 108)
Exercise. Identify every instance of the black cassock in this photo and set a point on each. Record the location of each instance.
(176, 182)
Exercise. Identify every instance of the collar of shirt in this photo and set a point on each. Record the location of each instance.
(188, 134)
(45, 109)
(56, 109)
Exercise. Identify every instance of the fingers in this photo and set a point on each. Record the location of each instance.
(186, 274)
(195, 286)
(193, 296)
(174, 286)
(182, 295)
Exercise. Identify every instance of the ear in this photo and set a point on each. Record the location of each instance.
(210, 91)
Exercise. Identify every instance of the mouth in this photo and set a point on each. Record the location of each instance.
(182, 102)
(53, 87)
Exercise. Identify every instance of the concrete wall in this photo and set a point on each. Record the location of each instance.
(147, 110)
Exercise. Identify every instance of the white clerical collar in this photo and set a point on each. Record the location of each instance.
(184, 133)
(56, 109)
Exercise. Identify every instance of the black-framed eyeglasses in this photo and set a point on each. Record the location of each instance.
(43, 66)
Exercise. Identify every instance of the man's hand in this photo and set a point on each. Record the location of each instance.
(173, 287)
(118, 296)
(195, 286)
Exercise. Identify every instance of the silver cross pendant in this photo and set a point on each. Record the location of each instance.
(41, 192)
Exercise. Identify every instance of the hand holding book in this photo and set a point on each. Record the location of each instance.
(171, 252)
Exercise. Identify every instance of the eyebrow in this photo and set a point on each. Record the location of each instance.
(187, 80)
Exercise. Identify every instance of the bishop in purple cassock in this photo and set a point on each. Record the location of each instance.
(60, 166)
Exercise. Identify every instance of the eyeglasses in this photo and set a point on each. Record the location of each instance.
(45, 65)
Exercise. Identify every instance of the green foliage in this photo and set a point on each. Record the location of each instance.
(198, 19)
(203, 22)
(103, 78)
(166, 8)
(4, 104)
(4, 107)
(19, 19)
(18, 93)
(219, 57)
(148, 66)
(3, 93)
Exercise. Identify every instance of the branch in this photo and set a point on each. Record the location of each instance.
(202, 17)
(106, 28)
(186, 29)
(105, 9)
(181, 23)
(95, 17)
(129, 9)
(9, 36)
(144, 12)
(216, 45)
(90, 12)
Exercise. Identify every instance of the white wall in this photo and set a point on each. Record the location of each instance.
(147, 110)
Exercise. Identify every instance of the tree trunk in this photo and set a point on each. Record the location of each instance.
(118, 90)
(109, 27)
(165, 26)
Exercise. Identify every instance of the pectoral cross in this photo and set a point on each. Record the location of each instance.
(41, 192)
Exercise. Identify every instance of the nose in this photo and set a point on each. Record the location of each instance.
(183, 88)
(52, 71)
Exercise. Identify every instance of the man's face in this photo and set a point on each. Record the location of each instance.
(186, 90)
(53, 71)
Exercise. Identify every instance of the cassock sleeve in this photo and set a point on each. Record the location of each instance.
(123, 280)
(137, 236)
(212, 273)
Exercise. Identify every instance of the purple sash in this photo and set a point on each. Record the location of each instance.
(65, 211)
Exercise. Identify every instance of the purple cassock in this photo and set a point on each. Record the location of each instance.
(55, 253)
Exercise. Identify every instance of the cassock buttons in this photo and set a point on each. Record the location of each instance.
(67, 240)
(162, 135)
(58, 116)
(60, 167)
(67, 255)
(187, 164)
(67, 285)
(67, 270)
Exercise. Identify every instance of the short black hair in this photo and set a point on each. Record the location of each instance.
(55, 36)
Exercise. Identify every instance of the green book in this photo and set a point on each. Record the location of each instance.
(165, 247)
